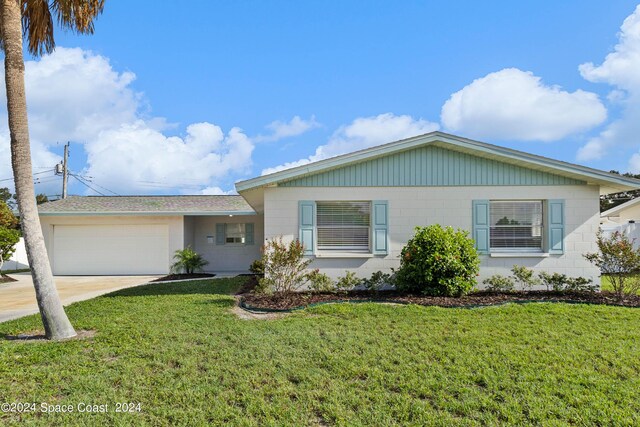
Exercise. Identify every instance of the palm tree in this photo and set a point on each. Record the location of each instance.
(34, 18)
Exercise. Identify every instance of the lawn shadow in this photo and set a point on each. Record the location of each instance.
(201, 287)
(218, 302)
(40, 337)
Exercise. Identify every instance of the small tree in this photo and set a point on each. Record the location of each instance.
(438, 261)
(8, 240)
(7, 217)
(618, 259)
(187, 260)
(284, 266)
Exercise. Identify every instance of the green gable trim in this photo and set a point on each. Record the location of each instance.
(429, 166)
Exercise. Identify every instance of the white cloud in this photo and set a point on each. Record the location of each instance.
(514, 104)
(135, 157)
(620, 70)
(294, 127)
(216, 191)
(76, 95)
(362, 133)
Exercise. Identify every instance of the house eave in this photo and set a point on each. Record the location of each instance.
(608, 182)
(167, 213)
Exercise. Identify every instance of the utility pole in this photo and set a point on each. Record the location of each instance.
(65, 171)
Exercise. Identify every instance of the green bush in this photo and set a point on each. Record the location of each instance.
(580, 284)
(378, 280)
(188, 261)
(617, 258)
(284, 267)
(499, 283)
(320, 282)
(524, 276)
(348, 281)
(257, 267)
(438, 261)
(8, 240)
(561, 283)
(555, 281)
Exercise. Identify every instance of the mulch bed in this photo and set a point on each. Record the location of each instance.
(481, 298)
(6, 279)
(249, 285)
(183, 277)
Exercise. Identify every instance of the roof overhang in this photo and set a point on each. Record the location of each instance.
(608, 182)
(129, 213)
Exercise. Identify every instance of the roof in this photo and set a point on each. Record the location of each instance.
(147, 205)
(616, 210)
(608, 182)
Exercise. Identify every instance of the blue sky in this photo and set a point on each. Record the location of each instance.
(165, 98)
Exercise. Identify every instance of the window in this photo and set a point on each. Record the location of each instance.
(343, 226)
(516, 225)
(235, 233)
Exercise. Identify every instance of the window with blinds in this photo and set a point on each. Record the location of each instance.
(343, 226)
(235, 233)
(516, 225)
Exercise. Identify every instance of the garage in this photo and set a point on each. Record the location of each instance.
(110, 249)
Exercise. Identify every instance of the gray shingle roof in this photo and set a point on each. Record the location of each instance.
(154, 205)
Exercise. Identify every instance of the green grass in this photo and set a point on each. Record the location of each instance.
(20, 270)
(605, 283)
(179, 351)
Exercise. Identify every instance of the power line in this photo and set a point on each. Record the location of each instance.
(80, 180)
(37, 173)
(86, 179)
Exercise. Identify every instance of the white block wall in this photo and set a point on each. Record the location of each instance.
(229, 257)
(419, 206)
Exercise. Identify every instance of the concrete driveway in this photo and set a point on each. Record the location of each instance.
(18, 299)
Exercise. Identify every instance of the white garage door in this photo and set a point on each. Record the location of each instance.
(110, 249)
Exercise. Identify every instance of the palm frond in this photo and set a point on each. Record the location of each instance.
(77, 15)
(37, 26)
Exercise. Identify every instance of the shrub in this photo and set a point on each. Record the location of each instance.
(561, 283)
(377, 281)
(284, 266)
(438, 261)
(8, 240)
(348, 281)
(555, 281)
(580, 284)
(187, 260)
(257, 267)
(524, 276)
(320, 282)
(499, 283)
(617, 258)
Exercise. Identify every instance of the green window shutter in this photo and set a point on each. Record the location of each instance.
(481, 225)
(380, 227)
(307, 224)
(248, 234)
(220, 233)
(555, 219)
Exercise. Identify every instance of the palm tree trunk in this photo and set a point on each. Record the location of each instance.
(56, 323)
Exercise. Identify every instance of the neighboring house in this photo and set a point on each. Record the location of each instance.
(356, 211)
(627, 212)
(99, 235)
(18, 260)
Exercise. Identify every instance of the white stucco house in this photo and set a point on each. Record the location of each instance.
(352, 212)
(622, 214)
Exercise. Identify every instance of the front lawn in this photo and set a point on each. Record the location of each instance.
(179, 351)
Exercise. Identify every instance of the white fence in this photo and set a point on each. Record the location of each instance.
(632, 230)
(19, 258)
